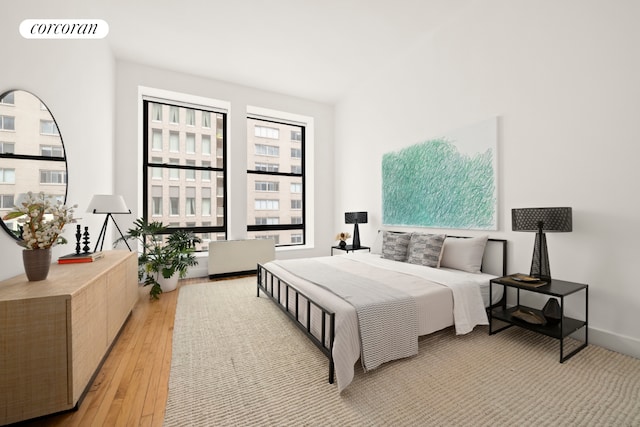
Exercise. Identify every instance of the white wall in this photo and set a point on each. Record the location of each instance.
(563, 78)
(130, 76)
(74, 78)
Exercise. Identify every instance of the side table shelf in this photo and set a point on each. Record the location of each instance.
(560, 330)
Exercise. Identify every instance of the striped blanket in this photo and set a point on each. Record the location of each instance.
(387, 318)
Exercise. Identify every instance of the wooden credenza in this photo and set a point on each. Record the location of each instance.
(55, 333)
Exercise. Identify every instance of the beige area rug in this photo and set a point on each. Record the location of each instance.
(238, 360)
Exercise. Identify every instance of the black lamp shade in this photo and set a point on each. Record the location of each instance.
(355, 217)
(551, 219)
(541, 220)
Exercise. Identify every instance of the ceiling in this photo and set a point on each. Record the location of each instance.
(313, 49)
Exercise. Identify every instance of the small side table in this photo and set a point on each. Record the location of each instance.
(350, 248)
(553, 288)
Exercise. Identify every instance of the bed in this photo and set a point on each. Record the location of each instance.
(324, 296)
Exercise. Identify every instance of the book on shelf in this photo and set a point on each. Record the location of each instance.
(81, 257)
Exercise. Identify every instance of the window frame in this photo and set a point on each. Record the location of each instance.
(265, 175)
(154, 96)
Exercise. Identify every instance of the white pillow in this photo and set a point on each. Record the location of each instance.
(463, 253)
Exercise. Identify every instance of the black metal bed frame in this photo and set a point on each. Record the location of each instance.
(266, 279)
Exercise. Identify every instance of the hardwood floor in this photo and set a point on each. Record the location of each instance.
(131, 387)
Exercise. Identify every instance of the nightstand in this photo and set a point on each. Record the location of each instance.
(350, 248)
(553, 288)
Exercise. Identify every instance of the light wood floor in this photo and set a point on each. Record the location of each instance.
(131, 387)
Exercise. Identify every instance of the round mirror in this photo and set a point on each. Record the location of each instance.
(32, 156)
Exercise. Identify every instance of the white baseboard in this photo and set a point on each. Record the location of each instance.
(615, 342)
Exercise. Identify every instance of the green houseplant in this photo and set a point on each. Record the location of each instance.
(162, 259)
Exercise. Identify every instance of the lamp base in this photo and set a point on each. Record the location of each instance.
(540, 260)
(356, 236)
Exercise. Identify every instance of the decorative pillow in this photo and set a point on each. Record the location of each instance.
(463, 253)
(394, 245)
(425, 249)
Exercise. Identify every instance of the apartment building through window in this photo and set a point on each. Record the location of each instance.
(275, 180)
(184, 167)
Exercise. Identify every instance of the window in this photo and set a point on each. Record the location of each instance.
(48, 127)
(7, 123)
(190, 202)
(156, 140)
(190, 143)
(267, 167)
(174, 114)
(156, 112)
(190, 117)
(206, 145)
(182, 184)
(174, 201)
(206, 119)
(174, 142)
(190, 174)
(267, 204)
(267, 186)
(53, 177)
(267, 221)
(9, 98)
(51, 151)
(267, 150)
(156, 200)
(6, 201)
(267, 132)
(7, 147)
(7, 175)
(271, 175)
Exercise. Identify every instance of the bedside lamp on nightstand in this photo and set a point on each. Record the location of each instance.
(541, 220)
(355, 218)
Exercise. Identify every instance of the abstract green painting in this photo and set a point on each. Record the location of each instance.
(445, 182)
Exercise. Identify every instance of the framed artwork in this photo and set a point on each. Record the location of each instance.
(445, 182)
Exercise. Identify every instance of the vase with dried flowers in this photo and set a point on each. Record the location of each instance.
(42, 220)
(342, 237)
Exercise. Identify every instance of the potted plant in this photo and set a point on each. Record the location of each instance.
(42, 220)
(162, 262)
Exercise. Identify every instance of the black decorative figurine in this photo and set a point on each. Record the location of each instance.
(78, 237)
(85, 240)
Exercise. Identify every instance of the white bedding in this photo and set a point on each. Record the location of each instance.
(433, 290)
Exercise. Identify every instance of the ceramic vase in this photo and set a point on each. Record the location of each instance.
(36, 263)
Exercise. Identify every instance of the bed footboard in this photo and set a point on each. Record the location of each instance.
(302, 304)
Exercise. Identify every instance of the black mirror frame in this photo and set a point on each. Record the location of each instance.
(37, 158)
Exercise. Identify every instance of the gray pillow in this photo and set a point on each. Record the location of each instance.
(425, 249)
(394, 245)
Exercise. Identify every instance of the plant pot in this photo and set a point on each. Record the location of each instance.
(342, 244)
(36, 263)
(170, 284)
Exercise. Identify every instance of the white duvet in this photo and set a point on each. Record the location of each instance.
(444, 297)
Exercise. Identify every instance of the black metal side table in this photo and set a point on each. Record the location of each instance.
(350, 248)
(553, 288)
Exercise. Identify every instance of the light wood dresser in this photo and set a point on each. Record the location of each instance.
(55, 333)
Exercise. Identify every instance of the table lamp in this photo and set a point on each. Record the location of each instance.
(355, 218)
(541, 220)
